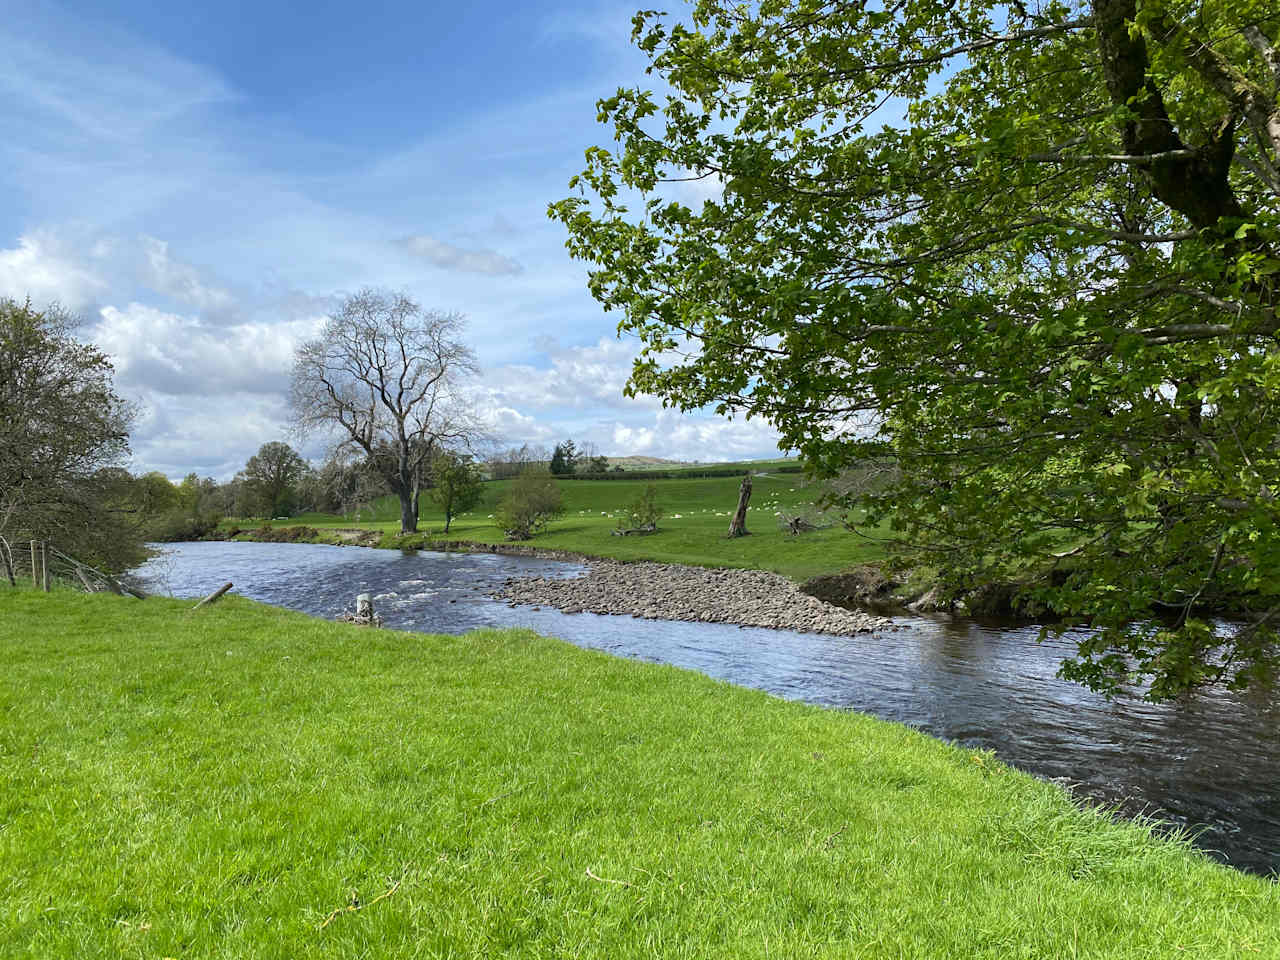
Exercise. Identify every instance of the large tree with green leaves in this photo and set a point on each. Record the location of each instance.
(64, 431)
(1028, 250)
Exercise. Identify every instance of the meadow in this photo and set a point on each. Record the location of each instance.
(246, 782)
(692, 530)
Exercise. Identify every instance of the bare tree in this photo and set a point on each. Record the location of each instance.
(384, 375)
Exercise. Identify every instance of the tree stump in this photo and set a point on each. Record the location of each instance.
(738, 525)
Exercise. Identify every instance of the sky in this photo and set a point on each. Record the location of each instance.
(202, 183)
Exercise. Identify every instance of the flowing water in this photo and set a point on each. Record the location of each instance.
(1210, 763)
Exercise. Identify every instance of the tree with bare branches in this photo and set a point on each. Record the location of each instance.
(384, 375)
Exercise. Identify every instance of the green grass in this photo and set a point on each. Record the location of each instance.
(217, 784)
(693, 530)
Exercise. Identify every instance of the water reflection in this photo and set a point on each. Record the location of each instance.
(1206, 762)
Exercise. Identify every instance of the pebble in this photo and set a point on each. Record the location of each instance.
(666, 591)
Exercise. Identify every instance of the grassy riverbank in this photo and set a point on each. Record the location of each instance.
(697, 513)
(244, 781)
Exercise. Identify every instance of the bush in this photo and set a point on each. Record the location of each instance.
(533, 501)
(643, 511)
(176, 525)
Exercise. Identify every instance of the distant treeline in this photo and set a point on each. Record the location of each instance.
(681, 474)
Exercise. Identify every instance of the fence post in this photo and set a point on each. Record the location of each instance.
(35, 567)
(44, 563)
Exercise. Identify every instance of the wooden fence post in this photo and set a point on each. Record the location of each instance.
(35, 567)
(213, 597)
(44, 563)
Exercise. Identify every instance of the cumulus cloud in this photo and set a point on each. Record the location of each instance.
(179, 355)
(693, 436)
(578, 377)
(47, 266)
(213, 436)
(448, 256)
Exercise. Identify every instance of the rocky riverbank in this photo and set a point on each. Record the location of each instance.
(664, 591)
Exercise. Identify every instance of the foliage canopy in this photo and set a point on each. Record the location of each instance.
(533, 501)
(65, 431)
(1027, 250)
(456, 484)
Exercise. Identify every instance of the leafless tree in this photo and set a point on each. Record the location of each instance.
(384, 375)
(513, 461)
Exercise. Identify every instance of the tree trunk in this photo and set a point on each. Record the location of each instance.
(408, 511)
(738, 525)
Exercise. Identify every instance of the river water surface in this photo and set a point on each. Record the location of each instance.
(1210, 763)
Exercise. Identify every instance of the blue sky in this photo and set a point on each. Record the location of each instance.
(202, 182)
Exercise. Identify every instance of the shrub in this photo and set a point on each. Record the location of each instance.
(533, 501)
(643, 511)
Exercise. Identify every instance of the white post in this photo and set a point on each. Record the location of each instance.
(364, 606)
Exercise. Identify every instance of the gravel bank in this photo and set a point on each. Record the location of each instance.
(664, 591)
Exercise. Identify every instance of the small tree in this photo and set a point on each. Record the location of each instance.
(564, 460)
(643, 513)
(457, 484)
(273, 474)
(533, 501)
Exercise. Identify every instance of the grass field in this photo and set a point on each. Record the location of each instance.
(246, 782)
(692, 531)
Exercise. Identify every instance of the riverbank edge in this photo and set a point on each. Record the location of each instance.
(1010, 807)
(863, 587)
(646, 589)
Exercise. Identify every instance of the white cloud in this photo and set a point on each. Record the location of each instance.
(172, 354)
(45, 267)
(578, 377)
(448, 256)
(179, 280)
(696, 436)
(211, 435)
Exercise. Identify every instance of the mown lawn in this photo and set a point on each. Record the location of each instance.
(697, 513)
(226, 783)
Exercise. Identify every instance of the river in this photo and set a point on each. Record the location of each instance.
(1208, 763)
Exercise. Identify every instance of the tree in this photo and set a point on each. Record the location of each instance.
(457, 484)
(272, 475)
(533, 501)
(384, 375)
(564, 459)
(1046, 288)
(65, 431)
(643, 513)
(504, 464)
(738, 523)
(344, 485)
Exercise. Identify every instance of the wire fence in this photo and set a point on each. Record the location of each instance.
(45, 567)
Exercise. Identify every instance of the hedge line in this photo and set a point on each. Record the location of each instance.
(692, 474)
